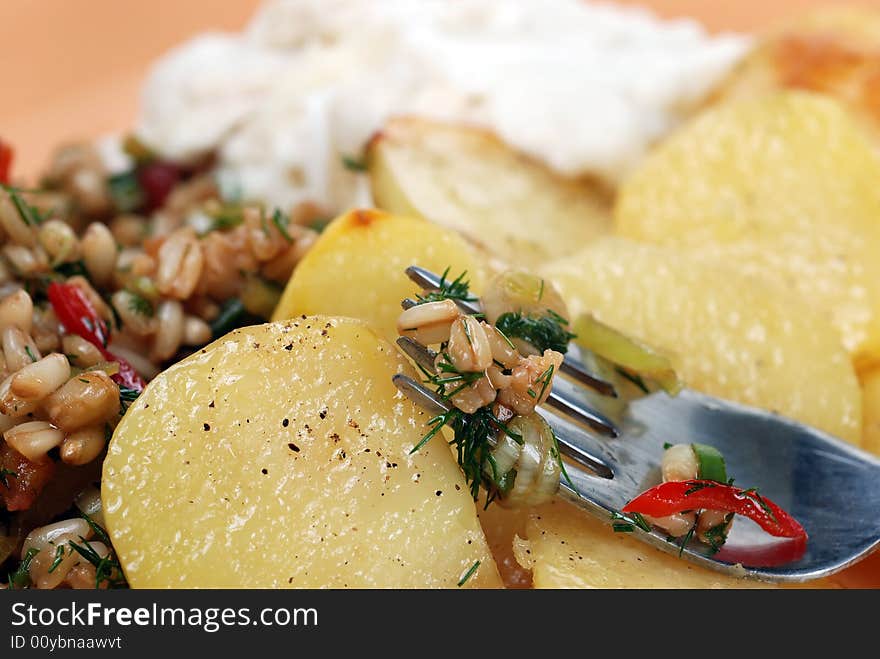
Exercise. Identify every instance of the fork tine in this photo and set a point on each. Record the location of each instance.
(572, 365)
(421, 355)
(421, 396)
(598, 422)
(425, 357)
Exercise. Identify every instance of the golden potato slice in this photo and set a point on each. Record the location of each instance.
(728, 334)
(871, 409)
(785, 185)
(831, 50)
(356, 268)
(468, 180)
(278, 457)
(571, 549)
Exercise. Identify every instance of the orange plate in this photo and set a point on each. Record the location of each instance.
(72, 70)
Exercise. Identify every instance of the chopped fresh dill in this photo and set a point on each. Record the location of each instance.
(717, 535)
(752, 493)
(627, 522)
(696, 487)
(353, 164)
(228, 216)
(140, 305)
(59, 556)
(545, 380)
(97, 529)
(546, 332)
(107, 570)
(5, 474)
(21, 578)
(280, 220)
(686, 540)
(557, 455)
(30, 353)
(467, 575)
(126, 191)
(127, 396)
(456, 289)
(28, 214)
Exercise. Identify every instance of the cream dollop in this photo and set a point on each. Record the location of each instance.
(586, 88)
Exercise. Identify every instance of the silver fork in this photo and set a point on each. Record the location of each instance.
(829, 486)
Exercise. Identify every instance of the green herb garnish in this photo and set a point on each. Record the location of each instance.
(457, 289)
(127, 396)
(126, 191)
(59, 556)
(21, 578)
(107, 570)
(353, 164)
(545, 332)
(140, 305)
(467, 575)
(627, 523)
(28, 214)
(280, 220)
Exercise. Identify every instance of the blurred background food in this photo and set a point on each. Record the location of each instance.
(85, 77)
(733, 226)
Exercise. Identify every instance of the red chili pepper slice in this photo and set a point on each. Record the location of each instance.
(6, 154)
(677, 496)
(79, 317)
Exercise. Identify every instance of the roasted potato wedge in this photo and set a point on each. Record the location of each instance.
(784, 187)
(356, 268)
(727, 334)
(279, 457)
(832, 50)
(468, 180)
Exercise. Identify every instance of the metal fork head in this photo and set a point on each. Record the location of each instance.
(832, 488)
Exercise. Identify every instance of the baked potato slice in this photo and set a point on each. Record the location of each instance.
(468, 180)
(871, 404)
(831, 50)
(356, 268)
(279, 457)
(569, 549)
(727, 334)
(784, 186)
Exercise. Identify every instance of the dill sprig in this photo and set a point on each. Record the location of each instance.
(467, 575)
(138, 304)
(21, 578)
(127, 396)
(717, 535)
(59, 556)
(544, 332)
(107, 569)
(456, 289)
(280, 220)
(354, 164)
(29, 214)
(627, 523)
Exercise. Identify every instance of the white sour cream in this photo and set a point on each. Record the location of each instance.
(585, 88)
